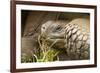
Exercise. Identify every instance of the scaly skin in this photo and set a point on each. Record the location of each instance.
(73, 36)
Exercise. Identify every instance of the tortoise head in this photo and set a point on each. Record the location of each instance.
(53, 29)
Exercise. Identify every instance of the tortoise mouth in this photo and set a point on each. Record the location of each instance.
(52, 39)
(56, 36)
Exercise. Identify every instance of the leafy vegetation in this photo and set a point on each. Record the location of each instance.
(46, 53)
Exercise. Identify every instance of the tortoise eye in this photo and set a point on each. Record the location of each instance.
(57, 29)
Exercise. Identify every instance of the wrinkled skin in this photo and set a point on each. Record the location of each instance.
(73, 36)
(53, 30)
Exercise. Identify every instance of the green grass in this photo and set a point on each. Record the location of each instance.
(46, 53)
(47, 56)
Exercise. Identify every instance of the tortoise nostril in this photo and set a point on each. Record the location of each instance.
(43, 27)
